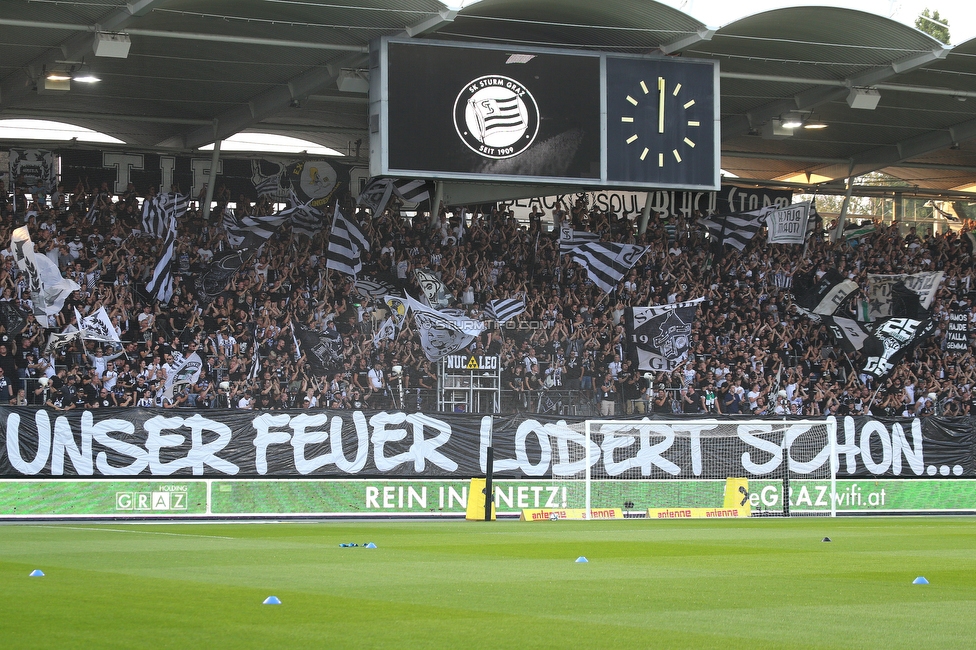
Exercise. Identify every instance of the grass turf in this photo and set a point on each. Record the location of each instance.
(760, 583)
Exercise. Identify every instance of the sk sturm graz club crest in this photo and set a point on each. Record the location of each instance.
(496, 117)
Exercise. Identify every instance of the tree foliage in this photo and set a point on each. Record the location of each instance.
(933, 25)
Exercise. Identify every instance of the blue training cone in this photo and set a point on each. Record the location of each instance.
(36, 573)
(272, 600)
(369, 545)
(920, 581)
(581, 559)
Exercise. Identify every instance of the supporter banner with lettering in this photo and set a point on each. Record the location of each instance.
(314, 181)
(671, 204)
(788, 225)
(881, 289)
(957, 331)
(35, 168)
(221, 443)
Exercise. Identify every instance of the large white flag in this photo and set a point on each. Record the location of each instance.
(435, 291)
(48, 287)
(442, 334)
(187, 371)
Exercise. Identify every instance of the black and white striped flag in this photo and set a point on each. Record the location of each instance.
(378, 192)
(346, 244)
(250, 232)
(504, 309)
(160, 286)
(606, 263)
(570, 239)
(159, 214)
(413, 191)
(736, 229)
(303, 218)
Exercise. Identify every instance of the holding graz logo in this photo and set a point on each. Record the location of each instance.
(496, 117)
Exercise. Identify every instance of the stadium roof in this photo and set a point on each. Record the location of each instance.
(199, 70)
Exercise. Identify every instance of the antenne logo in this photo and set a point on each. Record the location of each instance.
(496, 117)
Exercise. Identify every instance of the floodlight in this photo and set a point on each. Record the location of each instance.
(863, 98)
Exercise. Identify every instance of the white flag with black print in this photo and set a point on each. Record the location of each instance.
(387, 332)
(658, 338)
(788, 225)
(346, 244)
(435, 291)
(97, 326)
(442, 334)
(186, 372)
(49, 289)
(398, 309)
(370, 288)
(504, 309)
(736, 229)
(58, 341)
(606, 263)
(881, 289)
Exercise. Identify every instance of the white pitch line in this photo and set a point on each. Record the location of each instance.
(142, 532)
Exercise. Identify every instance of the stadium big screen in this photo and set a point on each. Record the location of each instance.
(484, 113)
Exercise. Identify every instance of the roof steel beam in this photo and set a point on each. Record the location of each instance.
(265, 104)
(704, 34)
(44, 114)
(272, 101)
(809, 99)
(824, 160)
(900, 152)
(843, 83)
(432, 24)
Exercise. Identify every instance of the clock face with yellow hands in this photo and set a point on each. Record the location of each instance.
(660, 122)
(663, 101)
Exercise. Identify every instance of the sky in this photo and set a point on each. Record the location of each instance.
(961, 14)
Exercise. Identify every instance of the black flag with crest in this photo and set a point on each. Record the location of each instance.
(658, 337)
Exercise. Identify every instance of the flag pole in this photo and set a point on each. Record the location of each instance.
(871, 403)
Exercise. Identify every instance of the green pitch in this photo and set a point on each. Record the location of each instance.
(760, 583)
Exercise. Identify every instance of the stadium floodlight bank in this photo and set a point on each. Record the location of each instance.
(682, 468)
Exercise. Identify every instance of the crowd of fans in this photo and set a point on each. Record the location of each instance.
(751, 352)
